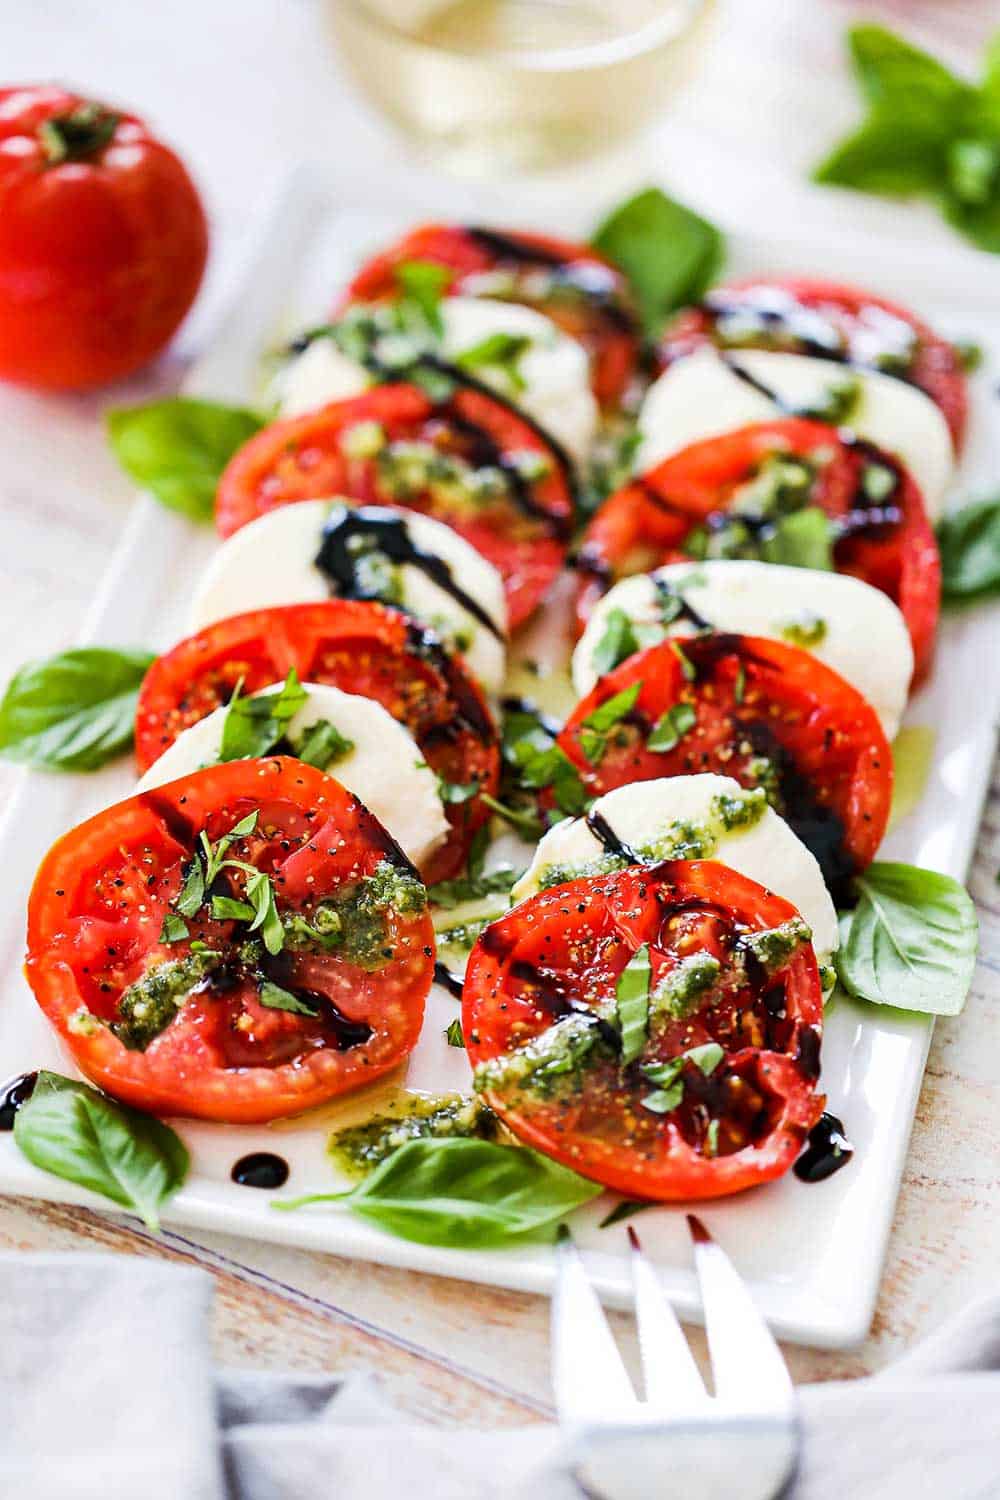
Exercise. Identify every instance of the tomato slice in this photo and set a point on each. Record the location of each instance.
(518, 516)
(768, 714)
(96, 928)
(807, 315)
(539, 1019)
(570, 283)
(886, 541)
(360, 647)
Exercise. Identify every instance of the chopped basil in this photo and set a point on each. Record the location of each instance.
(669, 253)
(423, 283)
(174, 928)
(499, 351)
(74, 711)
(274, 997)
(808, 630)
(669, 1076)
(616, 644)
(672, 726)
(456, 792)
(253, 726)
(227, 908)
(454, 1034)
(177, 449)
(323, 745)
(632, 1002)
(597, 726)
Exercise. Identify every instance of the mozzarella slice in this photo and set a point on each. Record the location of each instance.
(385, 769)
(700, 396)
(847, 624)
(551, 380)
(658, 817)
(271, 561)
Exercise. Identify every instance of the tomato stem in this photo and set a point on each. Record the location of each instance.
(78, 135)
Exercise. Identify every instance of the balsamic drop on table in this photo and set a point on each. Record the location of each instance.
(14, 1094)
(828, 1150)
(261, 1169)
(451, 982)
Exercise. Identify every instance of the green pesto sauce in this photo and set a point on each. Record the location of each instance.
(149, 1005)
(551, 1062)
(808, 630)
(359, 1148)
(679, 992)
(354, 925)
(773, 948)
(407, 470)
(729, 812)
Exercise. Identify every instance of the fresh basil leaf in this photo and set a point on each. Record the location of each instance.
(226, 909)
(969, 542)
(174, 928)
(664, 1073)
(671, 728)
(74, 711)
(882, 158)
(178, 448)
(260, 894)
(323, 745)
(192, 892)
(707, 1057)
(75, 1133)
(626, 1209)
(275, 998)
(802, 540)
(890, 70)
(662, 1101)
(499, 351)
(613, 709)
(632, 1001)
(424, 283)
(463, 1193)
(456, 792)
(669, 253)
(253, 726)
(910, 942)
(454, 1033)
(616, 644)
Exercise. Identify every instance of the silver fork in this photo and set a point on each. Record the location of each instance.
(741, 1443)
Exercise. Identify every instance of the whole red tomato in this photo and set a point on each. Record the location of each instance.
(103, 240)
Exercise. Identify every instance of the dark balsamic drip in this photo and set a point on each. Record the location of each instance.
(15, 1093)
(589, 562)
(515, 705)
(813, 333)
(867, 514)
(469, 708)
(387, 531)
(560, 526)
(261, 1169)
(370, 827)
(609, 840)
(704, 652)
(819, 827)
(807, 1052)
(788, 408)
(683, 610)
(591, 279)
(448, 980)
(176, 823)
(234, 974)
(827, 1150)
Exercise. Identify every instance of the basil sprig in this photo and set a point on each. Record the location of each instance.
(177, 449)
(928, 133)
(253, 726)
(970, 551)
(74, 711)
(75, 1133)
(669, 253)
(596, 728)
(910, 941)
(463, 1194)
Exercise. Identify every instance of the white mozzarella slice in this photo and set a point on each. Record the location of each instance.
(271, 561)
(553, 368)
(700, 396)
(649, 815)
(861, 633)
(384, 770)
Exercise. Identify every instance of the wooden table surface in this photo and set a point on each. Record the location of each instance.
(243, 106)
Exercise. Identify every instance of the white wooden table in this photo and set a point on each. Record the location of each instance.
(247, 89)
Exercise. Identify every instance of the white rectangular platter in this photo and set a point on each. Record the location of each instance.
(812, 1254)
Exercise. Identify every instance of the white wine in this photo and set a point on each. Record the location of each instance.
(517, 83)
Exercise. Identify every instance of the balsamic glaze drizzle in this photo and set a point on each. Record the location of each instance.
(827, 1150)
(609, 840)
(588, 277)
(15, 1093)
(261, 1169)
(683, 609)
(448, 980)
(388, 532)
(470, 711)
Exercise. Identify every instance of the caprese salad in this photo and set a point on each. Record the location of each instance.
(645, 904)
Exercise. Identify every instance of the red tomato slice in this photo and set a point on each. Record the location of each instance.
(522, 528)
(575, 287)
(887, 543)
(764, 712)
(362, 648)
(808, 315)
(554, 962)
(98, 907)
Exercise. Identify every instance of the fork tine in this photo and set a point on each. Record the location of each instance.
(747, 1366)
(589, 1380)
(670, 1376)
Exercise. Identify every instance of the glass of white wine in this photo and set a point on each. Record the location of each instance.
(517, 84)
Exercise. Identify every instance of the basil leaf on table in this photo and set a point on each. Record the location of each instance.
(178, 448)
(969, 541)
(74, 711)
(463, 1194)
(72, 1131)
(910, 942)
(927, 133)
(668, 252)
